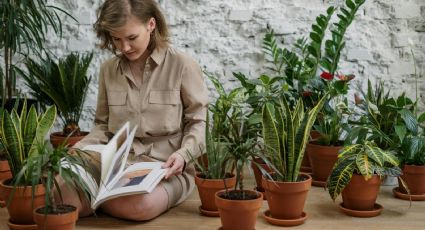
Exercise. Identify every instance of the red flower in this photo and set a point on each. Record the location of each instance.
(346, 78)
(327, 76)
(357, 99)
(307, 93)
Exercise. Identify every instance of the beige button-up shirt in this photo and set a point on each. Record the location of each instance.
(169, 107)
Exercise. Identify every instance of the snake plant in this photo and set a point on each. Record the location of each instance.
(366, 159)
(286, 132)
(20, 134)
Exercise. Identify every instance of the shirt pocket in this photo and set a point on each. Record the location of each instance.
(118, 112)
(117, 98)
(164, 113)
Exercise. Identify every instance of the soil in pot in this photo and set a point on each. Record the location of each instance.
(64, 218)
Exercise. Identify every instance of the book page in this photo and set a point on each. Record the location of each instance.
(138, 178)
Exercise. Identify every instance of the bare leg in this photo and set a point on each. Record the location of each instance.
(138, 207)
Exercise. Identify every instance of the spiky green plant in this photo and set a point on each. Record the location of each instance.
(365, 159)
(286, 132)
(63, 83)
(20, 134)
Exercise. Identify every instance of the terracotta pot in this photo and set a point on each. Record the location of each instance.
(63, 221)
(287, 199)
(22, 203)
(414, 177)
(5, 173)
(257, 173)
(360, 194)
(57, 138)
(322, 160)
(305, 164)
(208, 187)
(238, 214)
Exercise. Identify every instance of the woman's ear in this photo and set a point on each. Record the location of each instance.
(151, 24)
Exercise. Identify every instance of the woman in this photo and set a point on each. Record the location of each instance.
(156, 88)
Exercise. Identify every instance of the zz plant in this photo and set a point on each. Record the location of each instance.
(365, 159)
(286, 132)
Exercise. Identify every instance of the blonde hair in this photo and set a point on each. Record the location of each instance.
(113, 14)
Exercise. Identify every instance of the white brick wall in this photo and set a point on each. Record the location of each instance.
(225, 36)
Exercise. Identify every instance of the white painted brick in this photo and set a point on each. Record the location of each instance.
(406, 10)
(85, 17)
(79, 45)
(359, 54)
(240, 15)
(401, 68)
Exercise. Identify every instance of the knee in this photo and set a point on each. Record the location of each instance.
(134, 208)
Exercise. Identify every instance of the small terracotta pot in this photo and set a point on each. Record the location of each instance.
(22, 203)
(322, 160)
(62, 221)
(208, 187)
(287, 199)
(5, 173)
(360, 194)
(305, 164)
(57, 139)
(414, 177)
(257, 173)
(238, 214)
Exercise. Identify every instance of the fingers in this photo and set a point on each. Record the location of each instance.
(175, 170)
(176, 163)
(169, 162)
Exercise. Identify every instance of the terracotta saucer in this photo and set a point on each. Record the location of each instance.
(263, 192)
(13, 226)
(405, 196)
(318, 183)
(208, 213)
(284, 222)
(377, 209)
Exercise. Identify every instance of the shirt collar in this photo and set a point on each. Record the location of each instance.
(157, 56)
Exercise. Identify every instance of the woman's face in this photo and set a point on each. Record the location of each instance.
(133, 38)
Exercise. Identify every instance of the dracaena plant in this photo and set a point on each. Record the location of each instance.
(63, 83)
(23, 29)
(286, 132)
(20, 134)
(365, 159)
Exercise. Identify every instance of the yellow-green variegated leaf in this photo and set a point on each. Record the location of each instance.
(271, 136)
(348, 150)
(290, 132)
(29, 129)
(12, 142)
(340, 177)
(364, 165)
(375, 154)
(44, 125)
(389, 157)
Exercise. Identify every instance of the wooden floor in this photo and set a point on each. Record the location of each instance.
(322, 214)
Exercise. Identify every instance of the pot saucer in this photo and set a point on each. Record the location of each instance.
(262, 191)
(404, 196)
(377, 209)
(13, 226)
(208, 212)
(284, 222)
(318, 183)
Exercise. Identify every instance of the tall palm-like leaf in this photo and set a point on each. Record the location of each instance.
(20, 134)
(23, 29)
(63, 83)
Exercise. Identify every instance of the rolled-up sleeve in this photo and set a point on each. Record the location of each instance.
(194, 96)
(98, 133)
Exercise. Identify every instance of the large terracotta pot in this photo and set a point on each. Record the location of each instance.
(57, 139)
(287, 199)
(360, 194)
(207, 189)
(238, 214)
(414, 177)
(305, 164)
(22, 203)
(322, 160)
(5, 173)
(62, 221)
(257, 172)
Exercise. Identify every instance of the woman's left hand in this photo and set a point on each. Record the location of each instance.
(175, 163)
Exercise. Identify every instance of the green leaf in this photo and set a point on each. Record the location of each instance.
(401, 131)
(409, 120)
(340, 177)
(363, 165)
(421, 118)
(350, 4)
(315, 37)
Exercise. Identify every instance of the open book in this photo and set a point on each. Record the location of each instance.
(118, 179)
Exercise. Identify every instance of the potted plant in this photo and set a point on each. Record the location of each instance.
(4, 170)
(19, 136)
(46, 165)
(412, 156)
(286, 132)
(239, 207)
(63, 83)
(24, 28)
(357, 174)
